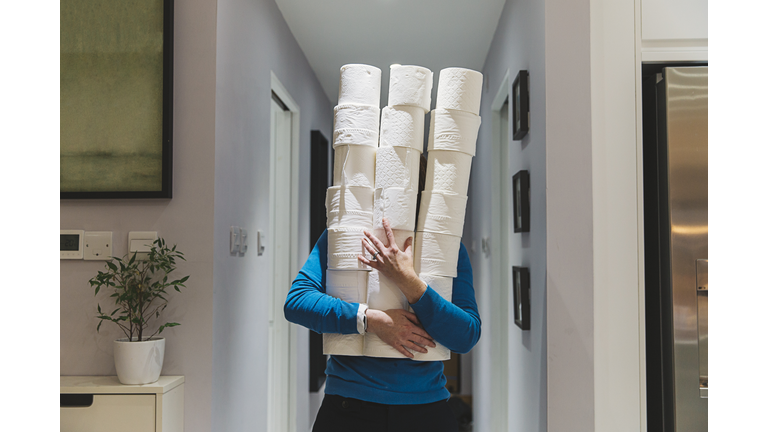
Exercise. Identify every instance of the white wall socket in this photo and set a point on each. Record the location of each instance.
(140, 242)
(97, 245)
(234, 239)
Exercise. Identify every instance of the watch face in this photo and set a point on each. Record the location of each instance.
(69, 242)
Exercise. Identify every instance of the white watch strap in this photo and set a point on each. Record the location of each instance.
(362, 320)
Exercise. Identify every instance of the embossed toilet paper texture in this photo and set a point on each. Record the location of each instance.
(354, 116)
(402, 126)
(436, 254)
(460, 89)
(397, 167)
(448, 171)
(442, 213)
(453, 130)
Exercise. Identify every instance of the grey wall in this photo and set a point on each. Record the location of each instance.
(517, 45)
(252, 39)
(186, 220)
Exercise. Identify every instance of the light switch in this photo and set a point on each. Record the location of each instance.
(234, 239)
(97, 245)
(141, 242)
(243, 240)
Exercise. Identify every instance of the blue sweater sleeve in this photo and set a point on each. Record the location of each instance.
(309, 306)
(455, 323)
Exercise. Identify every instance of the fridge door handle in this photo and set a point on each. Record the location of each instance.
(702, 321)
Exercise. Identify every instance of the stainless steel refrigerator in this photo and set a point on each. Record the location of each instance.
(675, 210)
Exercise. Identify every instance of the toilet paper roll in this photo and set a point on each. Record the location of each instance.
(431, 135)
(344, 245)
(354, 165)
(438, 353)
(436, 254)
(343, 344)
(410, 85)
(402, 126)
(448, 171)
(442, 213)
(361, 137)
(336, 219)
(349, 198)
(355, 116)
(398, 205)
(360, 84)
(400, 236)
(383, 294)
(460, 89)
(348, 285)
(397, 167)
(444, 287)
(454, 130)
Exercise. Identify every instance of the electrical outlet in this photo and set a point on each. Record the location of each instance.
(234, 239)
(243, 240)
(97, 245)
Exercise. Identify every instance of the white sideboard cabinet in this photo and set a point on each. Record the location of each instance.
(101, 403)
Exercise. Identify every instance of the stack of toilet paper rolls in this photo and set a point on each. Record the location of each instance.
(454, 124)
(349, 202)
(401, 141)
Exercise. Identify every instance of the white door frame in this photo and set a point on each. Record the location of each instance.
(499, 291)
(282, 373)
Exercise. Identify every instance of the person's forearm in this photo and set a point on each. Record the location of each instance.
(456, 328)
(307, 306)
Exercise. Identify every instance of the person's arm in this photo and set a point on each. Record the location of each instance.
(309, 306)
(455, 323)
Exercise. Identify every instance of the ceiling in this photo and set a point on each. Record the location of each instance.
(432, 33)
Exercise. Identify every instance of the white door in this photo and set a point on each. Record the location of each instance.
(280, 247)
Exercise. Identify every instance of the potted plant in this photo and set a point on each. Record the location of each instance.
(140, 296)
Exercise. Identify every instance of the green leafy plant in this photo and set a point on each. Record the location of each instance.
(140, 289)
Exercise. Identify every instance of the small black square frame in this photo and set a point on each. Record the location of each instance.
(521, 116)
(521, 289)
(521, 201)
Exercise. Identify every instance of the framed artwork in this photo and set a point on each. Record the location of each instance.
(521, 116)
(521, 283)
(116, 99)
(521, 201)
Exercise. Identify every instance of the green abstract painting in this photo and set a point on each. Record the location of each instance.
(112, 78)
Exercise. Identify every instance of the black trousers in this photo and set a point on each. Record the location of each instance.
(340, 414)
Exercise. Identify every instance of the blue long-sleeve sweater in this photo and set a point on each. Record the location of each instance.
(455, 324)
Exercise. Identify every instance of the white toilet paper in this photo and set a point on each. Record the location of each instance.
(360, 84)
(383, 295)
(460, 89)
(400, 236)
(349, 198)
(348, 285)
(442, 213)
(402, 126)
(436, 254)
(354, 165)
(448, 171)
(344, 245)
(410, 85)
(453, 130)
(361, 137)
(398, 205)
(354, 116)
(443, 285)
(336, 219)
(397, 167)
(341, 344)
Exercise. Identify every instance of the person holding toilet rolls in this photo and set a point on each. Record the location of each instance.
(387, 394)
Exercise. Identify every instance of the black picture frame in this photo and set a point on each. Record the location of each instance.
(521, 116)
(521, 201)
(521, 292)
(166, 177)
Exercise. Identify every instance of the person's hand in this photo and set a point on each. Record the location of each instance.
(395, 264)
(400, 329)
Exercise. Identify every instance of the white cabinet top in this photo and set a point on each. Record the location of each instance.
(110, 385)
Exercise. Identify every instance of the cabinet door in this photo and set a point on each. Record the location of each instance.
(111, 412)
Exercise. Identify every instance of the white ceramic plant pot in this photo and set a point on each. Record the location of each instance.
(139, 362)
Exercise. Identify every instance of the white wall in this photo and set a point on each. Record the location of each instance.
(518, 44)
(252, 40)
(674, 30)
(185, 220)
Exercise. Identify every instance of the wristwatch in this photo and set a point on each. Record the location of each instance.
(362, 318)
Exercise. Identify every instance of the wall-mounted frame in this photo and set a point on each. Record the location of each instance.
(521, 285)
(521, 116)
(521, 201)
(116, 99)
